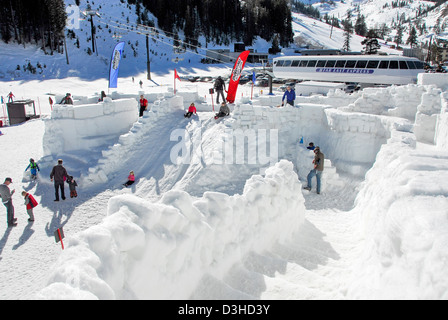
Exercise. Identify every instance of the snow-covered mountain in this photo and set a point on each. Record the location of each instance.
(117, 21)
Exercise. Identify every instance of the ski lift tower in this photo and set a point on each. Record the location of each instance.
(91, 14)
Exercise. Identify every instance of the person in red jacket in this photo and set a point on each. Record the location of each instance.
(30, 203)
(131, 179)
(191, 111)
(143, 105)
(10, 97)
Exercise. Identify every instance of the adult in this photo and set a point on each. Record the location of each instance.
(67, 99)
(6, 195)
(224, 111)
(191, 111)
(103, 95)
(10, 97)
(290, 96)
(59, 175)
(319, 159)
(220, 86)
(143, 105)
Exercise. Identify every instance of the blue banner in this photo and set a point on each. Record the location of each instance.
(115, 65)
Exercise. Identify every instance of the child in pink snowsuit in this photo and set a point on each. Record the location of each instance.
(131, 179)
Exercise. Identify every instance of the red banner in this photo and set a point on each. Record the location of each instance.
(236, 75)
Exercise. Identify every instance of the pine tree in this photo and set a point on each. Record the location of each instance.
(412, 40)
(348, 30)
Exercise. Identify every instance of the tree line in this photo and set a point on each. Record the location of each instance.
(40, 22)
(222, 22)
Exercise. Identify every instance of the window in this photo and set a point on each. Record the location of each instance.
(403, 65)
(321, 63)
(373, 64)
(340, 63)
(295, 63)
(280, 63)
(303, 63)
(411, 65)
(287, 63)
(350, 64)
(361, 64)
(330, 63)
(384, 65)
(393, 65)
(312, 63)
(419, 65)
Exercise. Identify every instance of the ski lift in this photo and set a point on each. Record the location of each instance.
(179, 50)
(177, 59)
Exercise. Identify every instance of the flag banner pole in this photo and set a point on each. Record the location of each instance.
(115, 65)
(236, 75)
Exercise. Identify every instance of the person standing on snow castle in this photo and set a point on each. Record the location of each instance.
(59, 175)
(319, 159)
(143, 105)
(290, 96)
(220, 86)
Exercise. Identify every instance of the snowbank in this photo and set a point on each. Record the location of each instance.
(85, 127)
(402, 208)
(442, 125)
(163, 250)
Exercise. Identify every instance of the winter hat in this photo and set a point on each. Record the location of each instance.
(8, 179)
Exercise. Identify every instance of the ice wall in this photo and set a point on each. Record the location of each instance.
(85, 127)
(163, 250)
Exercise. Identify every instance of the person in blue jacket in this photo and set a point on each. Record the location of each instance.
(34, 168)
(290, 96)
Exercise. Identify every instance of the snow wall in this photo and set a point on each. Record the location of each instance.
(85, 127)
(163, 250)
(402, 207)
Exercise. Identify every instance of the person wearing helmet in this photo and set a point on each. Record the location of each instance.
(34, 169)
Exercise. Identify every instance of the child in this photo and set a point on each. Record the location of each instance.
(131, 179)
(191, 111)
(30, 203)
(72, 184)
(34, 168)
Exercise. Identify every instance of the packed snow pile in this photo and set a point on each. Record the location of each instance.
(163, 250)
(403, 211)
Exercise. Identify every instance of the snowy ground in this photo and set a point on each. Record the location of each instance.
(378, 236)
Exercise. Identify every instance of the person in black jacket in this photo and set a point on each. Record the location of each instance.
(59, 175)
(67, 99)
(220, 86)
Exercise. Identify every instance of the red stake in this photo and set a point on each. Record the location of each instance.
(60, 238)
